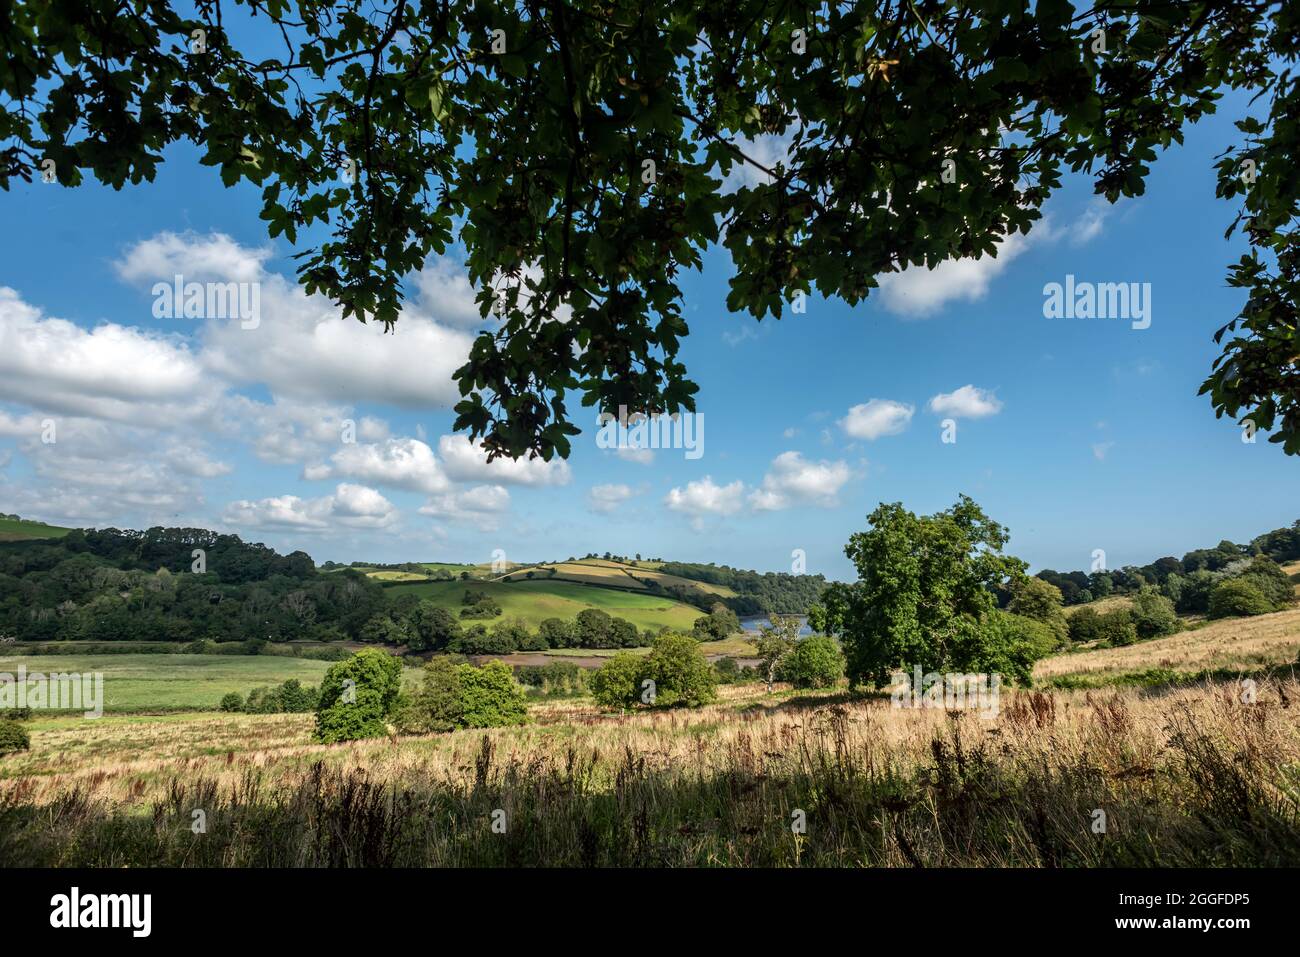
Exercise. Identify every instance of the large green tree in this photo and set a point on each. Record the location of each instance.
(924, 594)
(580, 154)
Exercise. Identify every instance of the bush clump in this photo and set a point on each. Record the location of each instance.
(815, 662)
(13, 737)
(454, 696)
(357, 696)
(1237, 598)
(675, 672)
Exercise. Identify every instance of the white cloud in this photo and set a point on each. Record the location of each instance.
(480, 506)
(607, 498)
(287, 431)
(1090, 223)
(704, 497)
(919, 291)
(398, 463)
(968, 402)
(877, 417)
(465, 461)
(446, 293)
(1101, 449)
(767, 150)
(481, 499)
(303, 349)
(355, 506)
(112, 372)
(792, 480)
(214, 257)
(639, 456)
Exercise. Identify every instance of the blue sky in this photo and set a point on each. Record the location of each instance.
(1077, 434)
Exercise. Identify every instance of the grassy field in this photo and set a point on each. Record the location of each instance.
(1240, 644)
(23, 530)
(611, 574)
(1191, 777)
(173, 682)
(736, 647)
(1293, 572)
(536, 600)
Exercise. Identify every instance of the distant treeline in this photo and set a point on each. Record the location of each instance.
(757, 593)
(112, 585)
(197, 590)
(1195, 569)
(415, 568)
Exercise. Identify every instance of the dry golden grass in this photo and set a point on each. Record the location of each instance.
(1292, 571)
(1232, 643)
(1188, 776)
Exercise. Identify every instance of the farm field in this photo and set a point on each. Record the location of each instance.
(172, 682)
(23, 530)
(534, 601)
(599, 571)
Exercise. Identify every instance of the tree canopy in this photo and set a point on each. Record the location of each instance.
(925, 595)
(582, 156)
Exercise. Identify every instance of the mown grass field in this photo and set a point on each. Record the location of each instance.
(23, 530)
(536, 600)
(172, 682)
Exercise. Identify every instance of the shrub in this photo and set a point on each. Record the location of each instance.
(1237, 598)
(720, 622)
(816, 662)
(13, 737)
(1194, 592)
(483, 608)
(1153, 614)
(477, 640)
(1010, 645)
(1116, 627)
(592, 629)
(618, 682)
(1041, 601)
(233, 701)
(556, 632)
(492, 698)
(438, 706)
(456, 696)
(296, 699)
(264, 701)
(1085, 625)
(556, 678)
(728, 670)
(357, 696)
(1271, 581)
(680, 672)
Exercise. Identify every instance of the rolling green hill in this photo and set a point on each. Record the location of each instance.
(21, 530)
(539, 599)
(611, 574)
